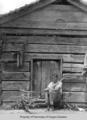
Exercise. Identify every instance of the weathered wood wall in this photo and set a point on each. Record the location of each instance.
(45, 43)
(45, 47)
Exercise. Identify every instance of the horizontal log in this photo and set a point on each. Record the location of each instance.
(48, 40)
(15, 75)
(16, 39)
(8, 56)
(12, 67)
(72, 78)
(12, 47)
(56, 48)
(11, 96)
(72, 74)
(71, 69)
(39, 31)
(69, 65)
(67, 58)
(75, 97)
(15, 85)
(74, 87)
(72, 58)
(49, 25)
(46, 48)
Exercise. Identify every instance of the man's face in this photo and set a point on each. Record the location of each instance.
(55, 79)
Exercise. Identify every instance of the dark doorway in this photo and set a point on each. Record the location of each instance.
(42, 73)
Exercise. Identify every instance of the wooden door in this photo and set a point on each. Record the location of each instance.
(42, 73)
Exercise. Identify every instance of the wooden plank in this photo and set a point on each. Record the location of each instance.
(48, 40)
(55, 48)
(46, 73)
(72, 74)
(12, 67)
(46, 48)
(72, 58)
(16, 39)
(72, 78)
(40, 31)
(67, 58)
(74, 87)
(49, 25)
(72, 65)
(15, 75)
(12, 47)
(11, 96)
(37, 75)
(15, 85)
(71, 69)
(8, 56)
(75, 97)
(28, 56)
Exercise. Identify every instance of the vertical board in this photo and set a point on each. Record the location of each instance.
(36, 76)
(45, 73)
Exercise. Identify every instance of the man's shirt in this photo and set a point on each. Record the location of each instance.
(54, 86)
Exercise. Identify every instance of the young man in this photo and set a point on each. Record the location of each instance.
(53, 91)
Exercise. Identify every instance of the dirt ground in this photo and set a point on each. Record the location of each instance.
(40, 114)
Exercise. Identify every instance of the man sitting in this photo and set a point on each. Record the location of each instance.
(53, 92)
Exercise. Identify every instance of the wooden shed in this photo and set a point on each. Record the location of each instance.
(39, 39)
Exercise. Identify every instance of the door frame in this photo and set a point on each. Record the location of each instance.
(59, 58)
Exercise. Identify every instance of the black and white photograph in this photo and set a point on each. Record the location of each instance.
(43, 59)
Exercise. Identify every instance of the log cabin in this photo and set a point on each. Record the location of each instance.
(38, 39)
